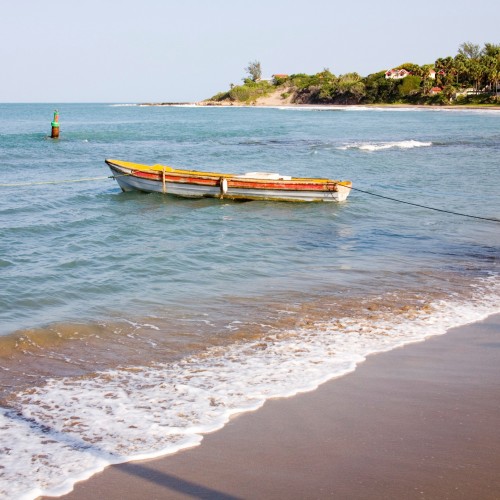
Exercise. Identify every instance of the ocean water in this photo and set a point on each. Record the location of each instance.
(132, 324)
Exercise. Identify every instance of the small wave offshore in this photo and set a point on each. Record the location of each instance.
(380, 146)
(71, 428)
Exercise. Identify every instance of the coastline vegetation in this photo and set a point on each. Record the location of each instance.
(471, 77)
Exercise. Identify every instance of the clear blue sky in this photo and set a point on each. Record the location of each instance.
(188, 50)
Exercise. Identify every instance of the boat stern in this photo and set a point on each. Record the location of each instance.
(343, 190)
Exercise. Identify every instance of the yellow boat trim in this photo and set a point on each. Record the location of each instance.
(218, 175)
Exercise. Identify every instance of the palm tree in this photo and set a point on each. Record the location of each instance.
(491, 61)
(460, 65)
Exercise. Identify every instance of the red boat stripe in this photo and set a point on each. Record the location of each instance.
(237, 183)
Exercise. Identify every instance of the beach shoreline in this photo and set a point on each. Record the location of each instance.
(272, 103)
(415, 422)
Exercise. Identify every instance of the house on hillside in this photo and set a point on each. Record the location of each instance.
(396, 74)
(435, 90)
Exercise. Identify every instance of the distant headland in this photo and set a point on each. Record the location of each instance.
(470, 78)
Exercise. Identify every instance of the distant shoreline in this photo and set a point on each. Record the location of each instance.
(325, 106)
(146, 104)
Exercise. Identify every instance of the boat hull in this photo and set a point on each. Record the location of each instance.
(194, 184)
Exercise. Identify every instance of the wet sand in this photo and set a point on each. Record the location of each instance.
(418, 422)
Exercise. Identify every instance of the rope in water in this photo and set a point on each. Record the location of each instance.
(87, 179)
(425, 206)
(67, 181)
(63, 181)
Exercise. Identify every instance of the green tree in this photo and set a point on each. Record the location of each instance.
(471, 58)
(460, 66)
(444, 71)
(491, 61)
(470, 50)
(475, 71)
(448, 92)
(350, 88)
(380, 89)
(327, 91)
(490, 49)
(427, 84)
(410, 86)
(254, 70)
(327, 85)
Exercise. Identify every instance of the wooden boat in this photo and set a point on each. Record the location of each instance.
(249, 186)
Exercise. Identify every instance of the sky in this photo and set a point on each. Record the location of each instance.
(129, 51)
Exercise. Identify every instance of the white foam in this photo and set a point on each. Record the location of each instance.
(73, 427)
(379, 146)
(140, 325)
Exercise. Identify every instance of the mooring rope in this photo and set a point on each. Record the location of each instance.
(66, 181)
(62, 181)
(425, 206)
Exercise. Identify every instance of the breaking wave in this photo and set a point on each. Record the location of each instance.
(379, 146)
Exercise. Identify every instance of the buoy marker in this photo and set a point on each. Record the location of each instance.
(55, 126)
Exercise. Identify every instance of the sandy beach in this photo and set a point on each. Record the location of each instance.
(417, 422)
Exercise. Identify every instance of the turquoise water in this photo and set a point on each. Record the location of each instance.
(94, 281)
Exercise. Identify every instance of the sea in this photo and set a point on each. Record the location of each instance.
(133, 324)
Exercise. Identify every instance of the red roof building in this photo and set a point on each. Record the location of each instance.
(396, 74)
